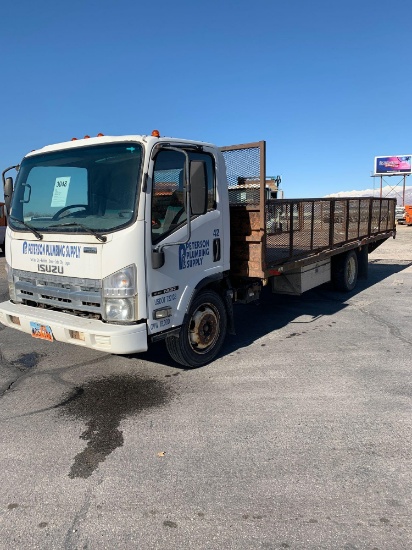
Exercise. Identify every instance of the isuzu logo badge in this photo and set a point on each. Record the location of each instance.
(50, 268)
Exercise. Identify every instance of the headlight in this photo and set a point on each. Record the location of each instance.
(120, 296)
(10, 281)
(119, 309)
(121, 284)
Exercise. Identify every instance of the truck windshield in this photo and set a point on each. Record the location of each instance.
(96, 185)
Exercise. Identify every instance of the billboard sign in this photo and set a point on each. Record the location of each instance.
(401, 164)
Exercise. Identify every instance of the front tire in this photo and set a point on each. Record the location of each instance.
(345, 271)
(203, 332)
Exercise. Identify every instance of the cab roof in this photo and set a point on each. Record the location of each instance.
(99, 140)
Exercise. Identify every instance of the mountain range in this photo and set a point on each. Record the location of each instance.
(387, 191)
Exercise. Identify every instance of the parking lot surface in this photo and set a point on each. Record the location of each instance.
(298, 436)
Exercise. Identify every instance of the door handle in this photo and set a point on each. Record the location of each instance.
(216, 250)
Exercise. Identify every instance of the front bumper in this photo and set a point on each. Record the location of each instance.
(89, 333)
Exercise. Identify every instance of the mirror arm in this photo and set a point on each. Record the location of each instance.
(17, 166)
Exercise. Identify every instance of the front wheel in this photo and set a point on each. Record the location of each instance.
(345, 271)
(202, 334)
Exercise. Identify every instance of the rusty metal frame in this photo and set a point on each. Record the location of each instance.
(254, 145)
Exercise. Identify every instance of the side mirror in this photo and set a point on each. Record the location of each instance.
(198, 187)
(8, 193)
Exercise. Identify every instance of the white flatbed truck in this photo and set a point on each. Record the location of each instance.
(116, 242)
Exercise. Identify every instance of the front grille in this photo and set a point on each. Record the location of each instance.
(70, 294)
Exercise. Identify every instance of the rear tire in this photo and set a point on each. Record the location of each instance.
(345, 271)
(202, 334)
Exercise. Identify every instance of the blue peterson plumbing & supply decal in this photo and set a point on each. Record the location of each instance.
(51, 250)
(191, 254)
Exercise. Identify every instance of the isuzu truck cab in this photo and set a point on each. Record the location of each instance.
(115, 242)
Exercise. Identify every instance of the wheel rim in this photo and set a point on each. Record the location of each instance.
(204, 328)
(351, 271)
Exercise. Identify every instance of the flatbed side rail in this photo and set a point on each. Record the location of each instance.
(296, 228)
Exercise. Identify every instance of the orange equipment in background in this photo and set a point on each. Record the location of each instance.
(408, 214)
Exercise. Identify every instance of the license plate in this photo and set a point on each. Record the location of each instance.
(44, 332)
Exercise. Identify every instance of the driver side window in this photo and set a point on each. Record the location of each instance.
(168, 200)
(168, 196)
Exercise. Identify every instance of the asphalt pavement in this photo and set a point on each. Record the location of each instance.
(298, 436)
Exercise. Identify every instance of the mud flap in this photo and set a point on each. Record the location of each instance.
(229, 308)
(362, 262)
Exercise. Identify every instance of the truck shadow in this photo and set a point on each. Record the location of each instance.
(274, 311)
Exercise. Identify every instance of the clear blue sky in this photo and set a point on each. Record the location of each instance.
(326, 83)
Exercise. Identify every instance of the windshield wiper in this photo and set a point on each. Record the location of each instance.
(98, 236)
(29, 227)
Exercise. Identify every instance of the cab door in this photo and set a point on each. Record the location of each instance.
(189, 255)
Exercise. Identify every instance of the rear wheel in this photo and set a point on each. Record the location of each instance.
(202, 334)
(345, 271)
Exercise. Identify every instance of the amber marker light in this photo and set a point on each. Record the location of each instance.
(74, 139)
(156, 133)
(86, 137)
(100, 134)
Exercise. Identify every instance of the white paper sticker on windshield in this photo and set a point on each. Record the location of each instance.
(61, 188)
